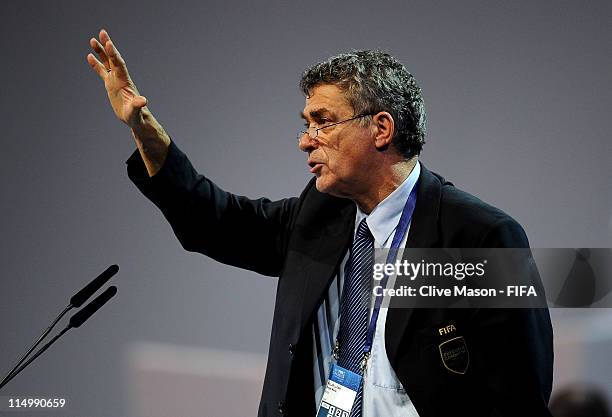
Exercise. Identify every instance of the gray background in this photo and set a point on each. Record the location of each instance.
(518, 97)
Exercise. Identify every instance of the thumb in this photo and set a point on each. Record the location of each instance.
(139, 101)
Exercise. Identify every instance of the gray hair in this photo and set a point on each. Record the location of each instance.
(374, 81)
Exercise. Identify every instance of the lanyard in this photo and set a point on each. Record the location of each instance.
(400, 233)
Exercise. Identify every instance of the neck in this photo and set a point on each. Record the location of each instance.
(385, 182)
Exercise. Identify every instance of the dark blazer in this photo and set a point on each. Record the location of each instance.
(303, 241)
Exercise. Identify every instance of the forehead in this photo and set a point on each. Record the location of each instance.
(329, 98)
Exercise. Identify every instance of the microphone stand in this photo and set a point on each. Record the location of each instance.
(75, 321)
(16, 371)
(8, 377)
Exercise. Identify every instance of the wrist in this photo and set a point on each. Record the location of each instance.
(148, 133)
(142, 121)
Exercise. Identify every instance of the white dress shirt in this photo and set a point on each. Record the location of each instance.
(383, 393)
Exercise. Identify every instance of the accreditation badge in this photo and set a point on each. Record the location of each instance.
(340, 392)
(455, 355)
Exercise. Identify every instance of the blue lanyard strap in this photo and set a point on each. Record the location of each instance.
(400, 233)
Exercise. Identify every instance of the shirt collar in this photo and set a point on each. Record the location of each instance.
(383, 220)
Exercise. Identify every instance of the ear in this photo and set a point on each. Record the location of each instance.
(385, 128)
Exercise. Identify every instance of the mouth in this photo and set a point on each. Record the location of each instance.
(314, 166)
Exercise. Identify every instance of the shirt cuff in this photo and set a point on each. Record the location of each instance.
(137, 172)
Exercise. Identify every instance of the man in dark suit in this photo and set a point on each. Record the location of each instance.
(365, 124)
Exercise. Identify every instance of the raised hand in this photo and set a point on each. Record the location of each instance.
(123, 95)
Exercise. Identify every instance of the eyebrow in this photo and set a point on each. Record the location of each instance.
(318, 114)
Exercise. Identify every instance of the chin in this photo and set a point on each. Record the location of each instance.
(324, 185)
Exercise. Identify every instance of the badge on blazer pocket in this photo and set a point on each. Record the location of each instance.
(454, 354)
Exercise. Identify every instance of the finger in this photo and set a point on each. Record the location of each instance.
(104, 36)
(115, 58)
(98, 49)
(97, 66)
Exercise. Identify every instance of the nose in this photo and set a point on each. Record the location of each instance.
(307, 144)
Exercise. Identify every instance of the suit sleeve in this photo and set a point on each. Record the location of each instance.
(231, 229)
(515, 350)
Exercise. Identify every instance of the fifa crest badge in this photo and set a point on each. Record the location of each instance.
(454, 354)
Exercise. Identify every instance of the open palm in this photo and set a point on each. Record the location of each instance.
(123, 95)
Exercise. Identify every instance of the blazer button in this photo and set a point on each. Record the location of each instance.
(282, 408)
(291, 348)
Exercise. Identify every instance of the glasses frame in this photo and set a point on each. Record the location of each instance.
(317, 129)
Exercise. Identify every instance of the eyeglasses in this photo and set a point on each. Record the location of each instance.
(313, 132)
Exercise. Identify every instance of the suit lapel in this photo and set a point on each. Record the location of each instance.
(325, 245)
(327, 242)
(423, 234)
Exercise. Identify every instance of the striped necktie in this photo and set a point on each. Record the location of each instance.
(354, 306)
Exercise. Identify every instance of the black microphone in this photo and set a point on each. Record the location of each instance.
(76, 320)
(79, 298)
(76, 301)
(86, 312)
